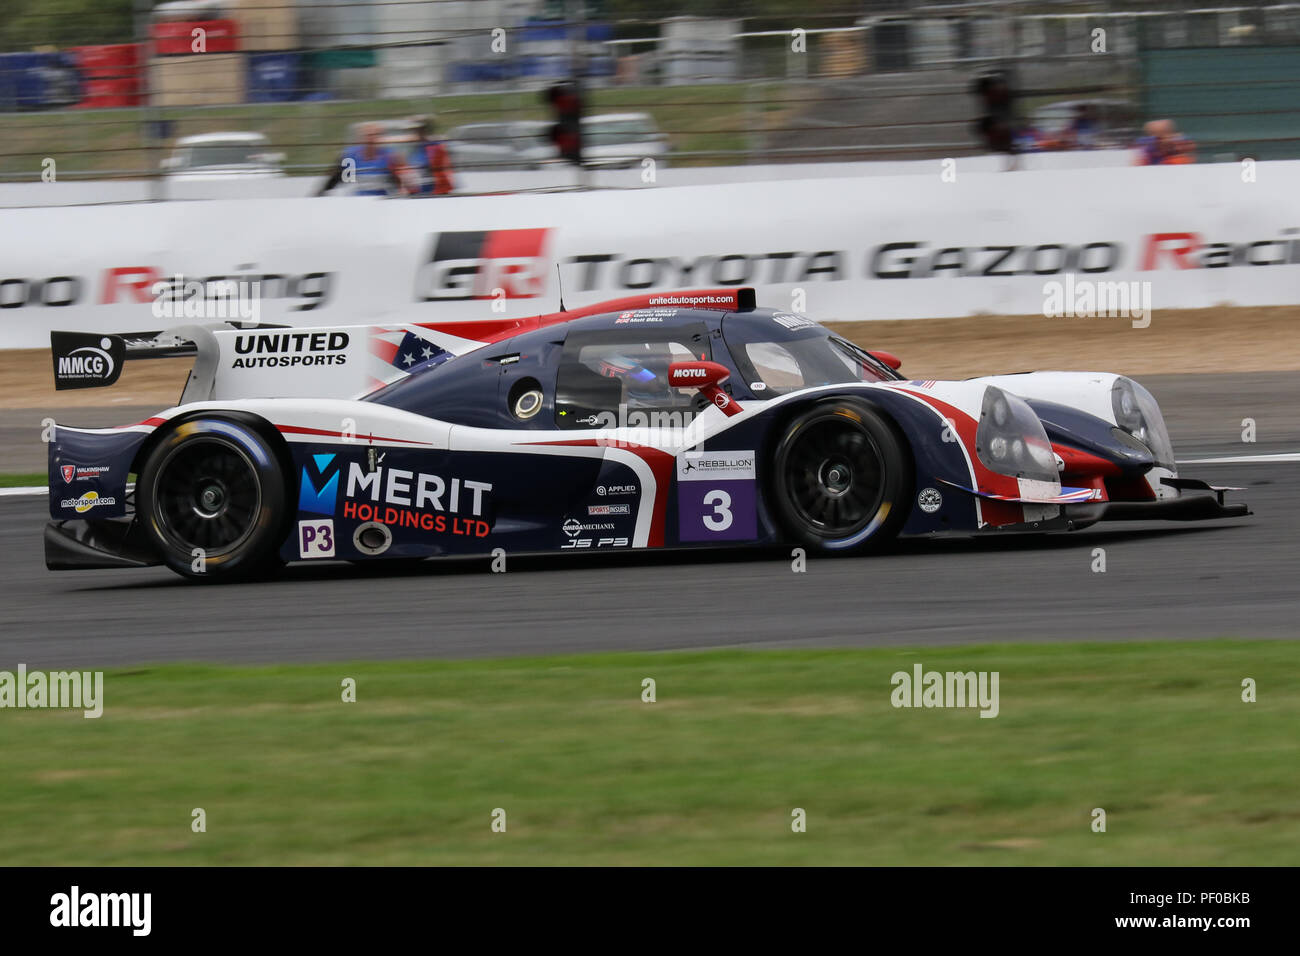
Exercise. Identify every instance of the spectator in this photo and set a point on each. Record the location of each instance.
(375, 170)
(1083, 130)
(1163, 145)
(996, 124)
(432, 162)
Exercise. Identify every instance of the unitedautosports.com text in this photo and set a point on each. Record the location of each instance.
(25, 689)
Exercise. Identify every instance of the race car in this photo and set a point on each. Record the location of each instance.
(672, 420)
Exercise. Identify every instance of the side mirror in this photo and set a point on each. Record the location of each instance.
(889, 358)
(707, 379)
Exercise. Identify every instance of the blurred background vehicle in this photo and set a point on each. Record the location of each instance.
(610, 141)
(517, 145)
(622, 140)
(221, 155)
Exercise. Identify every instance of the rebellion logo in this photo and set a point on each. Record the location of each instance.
(484, 265)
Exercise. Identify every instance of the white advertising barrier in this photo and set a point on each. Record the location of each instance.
(88, 192)
(874, 248)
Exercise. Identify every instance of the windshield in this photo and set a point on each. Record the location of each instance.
(225, 154)
(616, 132)
(774, 367)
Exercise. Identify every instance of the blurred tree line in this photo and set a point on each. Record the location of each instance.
(28, 24)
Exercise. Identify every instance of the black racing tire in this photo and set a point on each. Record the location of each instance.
(841, 478)
(218, 486)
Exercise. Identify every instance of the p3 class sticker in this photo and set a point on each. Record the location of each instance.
(316, 538)
(929, 500)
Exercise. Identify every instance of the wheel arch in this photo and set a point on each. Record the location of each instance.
(882, 410)
(268, 432)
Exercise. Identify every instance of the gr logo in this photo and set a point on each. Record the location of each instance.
(471, 265)
(318, 492)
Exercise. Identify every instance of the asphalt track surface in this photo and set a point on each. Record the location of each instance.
(1239, 577)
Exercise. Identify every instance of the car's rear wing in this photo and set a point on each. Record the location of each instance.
(234, 360)
(262, 361)
(95, 360)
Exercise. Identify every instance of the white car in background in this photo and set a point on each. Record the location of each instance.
(609, 141)
(222, 156)
(622, 140)
(522, 144)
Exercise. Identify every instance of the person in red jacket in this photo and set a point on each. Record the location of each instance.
(431, 161)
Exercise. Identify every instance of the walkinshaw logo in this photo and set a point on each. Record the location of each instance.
(72, 472)
(474, 265)
(286, 349)
(397, 497)
(90, 499)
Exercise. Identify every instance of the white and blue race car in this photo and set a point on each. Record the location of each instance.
(681, 420)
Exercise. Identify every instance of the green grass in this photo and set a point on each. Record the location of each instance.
(37, 479)
(1156, 734)
(707, 117)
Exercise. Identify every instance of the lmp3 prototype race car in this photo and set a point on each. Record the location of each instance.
(691, 419)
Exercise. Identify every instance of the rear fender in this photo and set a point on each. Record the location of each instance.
(88, 470)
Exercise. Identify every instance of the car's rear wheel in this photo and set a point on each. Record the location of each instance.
(841, 478)
(212, 498)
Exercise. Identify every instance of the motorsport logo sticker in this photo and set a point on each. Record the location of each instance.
(90, 499)
(84, 360)
(716, 466)
(929, 500)
(609, 509)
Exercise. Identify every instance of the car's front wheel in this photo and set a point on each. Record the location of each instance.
(212, 497)
(841, 478)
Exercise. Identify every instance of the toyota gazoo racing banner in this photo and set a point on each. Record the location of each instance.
(872, 248)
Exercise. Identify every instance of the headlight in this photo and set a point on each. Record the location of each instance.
(1011, 440)
(1137, 413)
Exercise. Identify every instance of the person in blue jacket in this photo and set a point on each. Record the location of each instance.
(376, 171)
